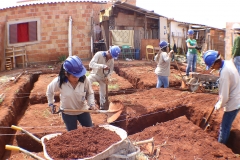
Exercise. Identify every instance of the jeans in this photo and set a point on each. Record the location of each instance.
(102, 86)
(227, 120)
(191, 62)
(71, 120)
(162, 80)
(236, 61)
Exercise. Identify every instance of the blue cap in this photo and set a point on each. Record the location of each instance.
(73, 65)
(115, 51)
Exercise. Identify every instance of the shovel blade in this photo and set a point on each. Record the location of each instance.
(112, 116)
(115, 106)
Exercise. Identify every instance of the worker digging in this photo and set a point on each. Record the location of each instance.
(101, 61)
(75, 89)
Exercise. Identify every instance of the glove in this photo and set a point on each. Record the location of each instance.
(105, 66)
(52, 108)
(218, 105)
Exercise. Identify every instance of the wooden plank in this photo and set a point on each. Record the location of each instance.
(144, 43)
(138, 35)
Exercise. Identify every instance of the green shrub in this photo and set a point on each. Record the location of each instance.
(62, 58)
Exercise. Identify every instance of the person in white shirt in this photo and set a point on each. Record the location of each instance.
(103, 60)
(229, 91)
(163, 60)
(76, 93)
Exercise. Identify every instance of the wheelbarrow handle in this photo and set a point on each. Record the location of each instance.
(12, 148)
(15, 148)
(26, 132)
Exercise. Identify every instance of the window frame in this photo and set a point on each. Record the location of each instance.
(24, 21)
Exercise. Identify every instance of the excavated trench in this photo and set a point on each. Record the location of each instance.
(131, 125)
(15, 111)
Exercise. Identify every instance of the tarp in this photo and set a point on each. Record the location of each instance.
(123, 37)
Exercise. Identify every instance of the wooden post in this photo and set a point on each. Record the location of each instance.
(145, 27)
(14, 60)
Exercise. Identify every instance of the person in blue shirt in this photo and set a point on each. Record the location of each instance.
(191, 54)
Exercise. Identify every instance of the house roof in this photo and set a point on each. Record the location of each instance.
(15, 3)
(149, 14)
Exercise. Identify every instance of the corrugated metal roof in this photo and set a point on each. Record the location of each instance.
(17, 3)
(148, 13)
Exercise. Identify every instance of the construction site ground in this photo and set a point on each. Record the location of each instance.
(171, 116)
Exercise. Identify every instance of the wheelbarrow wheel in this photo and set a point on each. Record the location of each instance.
(193, 84)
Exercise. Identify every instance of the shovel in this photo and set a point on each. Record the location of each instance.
(106, 72)
(15, 148)
(114, 111)
(204, 123)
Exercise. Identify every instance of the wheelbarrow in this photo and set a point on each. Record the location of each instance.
(115, 151)
(208, 81)
(111, 151)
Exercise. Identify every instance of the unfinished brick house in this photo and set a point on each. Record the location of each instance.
(42, 28)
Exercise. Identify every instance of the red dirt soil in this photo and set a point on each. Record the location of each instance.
(181, 139)
(146, 108)
(142, 76)
(81, 143)
(142, 109)
(116, 83)
(38, 93)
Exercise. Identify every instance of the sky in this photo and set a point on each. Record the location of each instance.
(214, 13)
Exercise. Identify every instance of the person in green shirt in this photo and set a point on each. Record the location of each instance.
(192, 53)
(236, 49)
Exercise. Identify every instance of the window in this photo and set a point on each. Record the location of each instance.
(23, 32)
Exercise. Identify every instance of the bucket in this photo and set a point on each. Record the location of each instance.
(137, 54)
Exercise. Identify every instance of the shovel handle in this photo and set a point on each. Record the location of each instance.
(89, 111)
(210, 114)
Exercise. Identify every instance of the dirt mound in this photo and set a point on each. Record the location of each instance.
(181, 139)
(81, 143)
(142, 76)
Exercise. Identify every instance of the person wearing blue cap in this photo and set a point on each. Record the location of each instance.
(76, 93)
(229, 91)
(103, 61)
(191, 53)
(163, 60)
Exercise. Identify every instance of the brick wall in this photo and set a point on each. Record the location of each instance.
(54, 28)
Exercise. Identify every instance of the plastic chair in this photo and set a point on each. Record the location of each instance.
(150, 47)
(126, 52)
